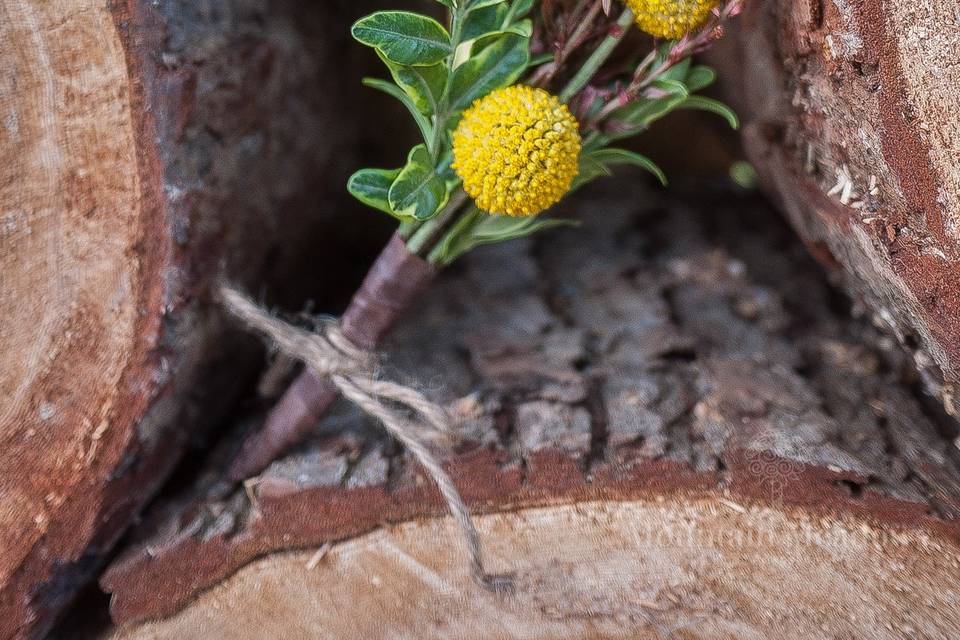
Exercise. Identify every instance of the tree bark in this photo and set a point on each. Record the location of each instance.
(669, 420)
(850, 116)
(145, 149)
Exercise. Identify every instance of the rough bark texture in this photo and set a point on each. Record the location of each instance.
(688, 363)
(145, 148)
(851, 118)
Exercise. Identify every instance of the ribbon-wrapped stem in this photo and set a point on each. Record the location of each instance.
(330, 355)
(396, 278)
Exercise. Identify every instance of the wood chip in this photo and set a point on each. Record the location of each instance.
(317, 557)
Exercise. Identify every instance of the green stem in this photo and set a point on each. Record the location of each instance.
(423, 239)
(442, 115)
(598, 57)
(468, 220)
(407, 228)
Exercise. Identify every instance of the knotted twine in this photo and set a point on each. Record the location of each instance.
(352, 370)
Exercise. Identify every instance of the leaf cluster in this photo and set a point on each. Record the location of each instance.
(437, 72)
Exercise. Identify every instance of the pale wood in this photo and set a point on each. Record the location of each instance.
(697, 567)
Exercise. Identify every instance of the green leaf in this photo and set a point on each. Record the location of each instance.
(404, 38)
(713, 106)
(542, 58)
(637, 117)
(371, 186)
(424, 85)
(473, 5)
(445, 170)
(426, 129)
(675, 87)
(520, 8)
(522, 28)
(589, 170)
(477, 228)
(498, 65)
(494, 229)
(484, 21)
(614, 156)
(678, 71)
(700, 77)
(418, 191)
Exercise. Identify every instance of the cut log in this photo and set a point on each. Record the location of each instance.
(851, 118)
(692, 567)
(143, 146)
(670, 421)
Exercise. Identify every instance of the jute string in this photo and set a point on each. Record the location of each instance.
(352, 370)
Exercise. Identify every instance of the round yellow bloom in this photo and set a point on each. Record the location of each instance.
(517, 151)
(671, 19)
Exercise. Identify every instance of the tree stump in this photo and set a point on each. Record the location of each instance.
(146, 149)
(672, 425)
(850, 116)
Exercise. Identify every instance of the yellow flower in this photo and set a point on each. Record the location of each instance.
(517, 151)
(671, 19)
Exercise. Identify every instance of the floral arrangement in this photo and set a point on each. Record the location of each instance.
(496, 154)
(518, 103)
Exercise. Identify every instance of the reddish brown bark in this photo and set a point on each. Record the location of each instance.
(143, 146)
(395, 281)
(850, 114)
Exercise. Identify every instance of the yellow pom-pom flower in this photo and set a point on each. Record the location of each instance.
(671, 19)
(517, 151)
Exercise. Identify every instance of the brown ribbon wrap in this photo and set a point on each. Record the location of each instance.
(331, 355)
(393, 282)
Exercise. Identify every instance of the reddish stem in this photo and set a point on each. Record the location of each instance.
(396, 278)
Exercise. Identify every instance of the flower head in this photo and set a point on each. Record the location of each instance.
(671, 19)
(517, 151)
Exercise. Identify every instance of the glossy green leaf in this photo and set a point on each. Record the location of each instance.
(484, 21)
(418, 191)
(424, 85)
(520, 8)
(473, 5)
(372, 186)
(498, 65)
(404, 38)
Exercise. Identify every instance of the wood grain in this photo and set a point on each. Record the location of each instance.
(695, 567)
(146, 150)
(664, 353)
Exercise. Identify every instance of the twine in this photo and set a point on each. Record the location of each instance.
(331, 355)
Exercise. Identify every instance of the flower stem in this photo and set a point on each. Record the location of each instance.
(598, 57)
(424, 238)
(468, 220)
